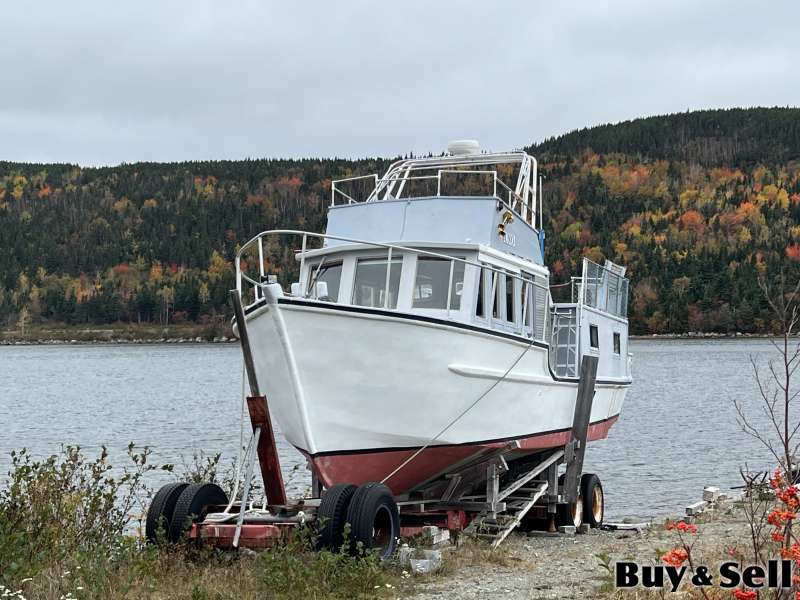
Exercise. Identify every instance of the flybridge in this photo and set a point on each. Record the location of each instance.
(492, 199)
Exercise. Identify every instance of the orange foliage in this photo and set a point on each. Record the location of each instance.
(748, 210)
(44, 191)
(793, 252)
(692, 220)
(731, 220)
(294, 182)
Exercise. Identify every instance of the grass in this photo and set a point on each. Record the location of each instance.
(66, 532)
(171, 572)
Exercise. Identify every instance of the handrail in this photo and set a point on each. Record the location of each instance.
(349, 198)
(521, 200)
(525, 212)
(527, 283)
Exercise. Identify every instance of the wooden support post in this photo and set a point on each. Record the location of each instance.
(266, 450)
(316, 484)
(580, 427)
(492, 487)
(552, 488)
(241, 326)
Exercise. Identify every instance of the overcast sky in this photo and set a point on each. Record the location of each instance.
(101, 83)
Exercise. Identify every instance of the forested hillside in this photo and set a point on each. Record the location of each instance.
(695, 204)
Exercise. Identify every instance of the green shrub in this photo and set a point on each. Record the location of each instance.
(65, 506)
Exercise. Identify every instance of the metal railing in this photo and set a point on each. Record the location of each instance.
(532, 289)
(521, 199)
(602, 288)
(350, 199)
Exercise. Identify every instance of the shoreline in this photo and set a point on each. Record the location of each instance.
(118, 333)
(125, 334)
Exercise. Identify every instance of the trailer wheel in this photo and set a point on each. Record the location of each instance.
(193, 505)
(593, 499)
(570, 513)
(374, 520)
(159, 513)
(332, 515)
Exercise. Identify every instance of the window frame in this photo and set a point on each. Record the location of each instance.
(617, 343)
(312, 269)
(594, 336)
(398, 259)
(453, 296)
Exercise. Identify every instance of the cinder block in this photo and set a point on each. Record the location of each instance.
(404, 555)
(696, 508)
(431, 562)
(433, 535)
(584, 528)
(567, 529)
(422, 565)
(537, 533)
(710, 494)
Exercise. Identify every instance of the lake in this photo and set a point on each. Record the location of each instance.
(677, 433)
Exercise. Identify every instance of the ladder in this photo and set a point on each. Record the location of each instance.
(494, 527)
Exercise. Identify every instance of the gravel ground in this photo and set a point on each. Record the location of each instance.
(567, 567)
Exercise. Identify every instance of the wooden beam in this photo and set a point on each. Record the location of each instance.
(267, 451)
(241, 326)
(580, 426)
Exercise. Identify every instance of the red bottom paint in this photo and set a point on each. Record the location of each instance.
(361, 467)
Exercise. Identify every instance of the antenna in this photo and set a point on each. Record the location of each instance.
(541, 222)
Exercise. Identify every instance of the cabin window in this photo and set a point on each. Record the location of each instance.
(527, 304)
(616, 343)
(369, 287)
(510, 312)
(430, 285)
(593, 338)
(496, 295)
(479, 310)
(330, 274)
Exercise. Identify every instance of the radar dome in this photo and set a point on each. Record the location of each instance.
(462, 147)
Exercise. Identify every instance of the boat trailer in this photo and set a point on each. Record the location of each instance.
(486, 495)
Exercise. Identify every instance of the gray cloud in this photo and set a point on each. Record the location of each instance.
(101, 83)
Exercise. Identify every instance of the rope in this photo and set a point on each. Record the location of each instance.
(463, 412)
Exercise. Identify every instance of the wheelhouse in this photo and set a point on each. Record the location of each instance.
(456, 239)
(465, 284)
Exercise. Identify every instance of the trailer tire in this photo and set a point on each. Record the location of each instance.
(593, 499)
(570, 514)
(192, 506)
(159, 513)
(374, 520)
(332, 515)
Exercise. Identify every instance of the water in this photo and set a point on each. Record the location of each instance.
(677, 433)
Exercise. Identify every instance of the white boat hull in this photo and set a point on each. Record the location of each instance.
(374, 386)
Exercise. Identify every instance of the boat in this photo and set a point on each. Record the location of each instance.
(421, 328)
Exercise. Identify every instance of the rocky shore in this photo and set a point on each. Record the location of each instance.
(177, 340)
(578, 566)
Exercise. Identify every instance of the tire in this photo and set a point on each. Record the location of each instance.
(593, 499)
(192, 506)
(332, 515)
(374, 520)
(570, 513)
(161, 509)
